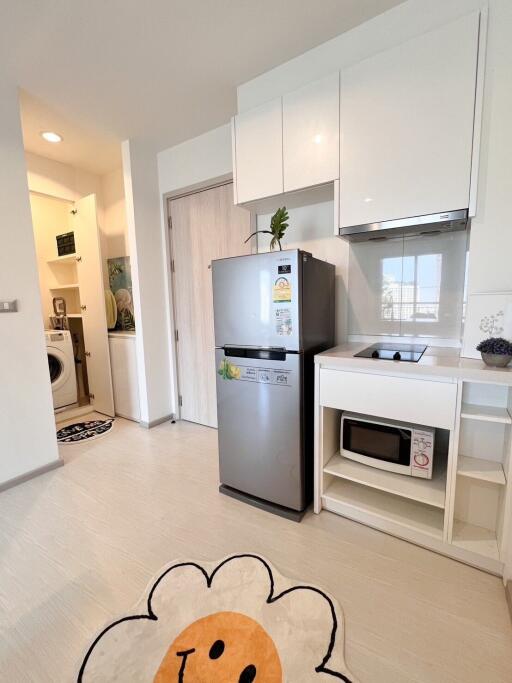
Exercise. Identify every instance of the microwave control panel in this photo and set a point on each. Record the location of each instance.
(422, 453)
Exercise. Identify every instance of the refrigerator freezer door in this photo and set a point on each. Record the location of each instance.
(256, 300)
(260, 429)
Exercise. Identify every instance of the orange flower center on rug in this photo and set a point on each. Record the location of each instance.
(225, 646)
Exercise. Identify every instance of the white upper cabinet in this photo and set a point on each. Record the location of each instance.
(311, 134)
(407, 118)
(258, 152)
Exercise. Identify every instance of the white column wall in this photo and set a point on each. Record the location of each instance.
(27, 427)
(149, 281)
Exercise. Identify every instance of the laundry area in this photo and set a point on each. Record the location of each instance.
(79, 222)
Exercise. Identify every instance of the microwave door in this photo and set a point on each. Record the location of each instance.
(371, 443)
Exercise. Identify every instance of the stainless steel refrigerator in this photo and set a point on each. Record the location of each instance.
(272, 313)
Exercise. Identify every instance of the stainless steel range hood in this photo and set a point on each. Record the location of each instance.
(416, 225)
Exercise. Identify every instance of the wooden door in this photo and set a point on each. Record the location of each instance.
(92, 302)
(204, 226)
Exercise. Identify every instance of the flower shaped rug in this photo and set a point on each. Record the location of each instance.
(237, 621)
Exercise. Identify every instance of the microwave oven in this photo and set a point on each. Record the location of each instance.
(389, 445)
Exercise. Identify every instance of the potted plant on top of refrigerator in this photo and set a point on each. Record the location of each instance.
(278, 225)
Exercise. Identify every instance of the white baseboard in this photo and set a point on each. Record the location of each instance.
(22, 478)
(159, 421)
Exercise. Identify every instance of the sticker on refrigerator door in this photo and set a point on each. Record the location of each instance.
(228, 370)
(265, 376)
(248, 374)
(281, 377)
(282, 290)
(283, 321)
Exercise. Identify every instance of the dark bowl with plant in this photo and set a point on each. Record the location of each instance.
(495, 351)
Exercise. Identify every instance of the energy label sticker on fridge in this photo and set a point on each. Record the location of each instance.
(283, 321)
(282, 290)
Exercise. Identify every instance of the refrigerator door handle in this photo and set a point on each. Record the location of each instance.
(262, 354)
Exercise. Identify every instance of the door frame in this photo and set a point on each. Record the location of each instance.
(203, 186)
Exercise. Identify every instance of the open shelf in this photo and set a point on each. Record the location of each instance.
(478, 468)
(485, 413)
(71, 286)
(68, 258)
(387, 510)
(428, 491)
(475, 539)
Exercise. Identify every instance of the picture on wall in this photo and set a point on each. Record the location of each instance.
(487, 315)
(120, 279)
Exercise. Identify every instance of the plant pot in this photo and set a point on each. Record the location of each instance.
(496, 360)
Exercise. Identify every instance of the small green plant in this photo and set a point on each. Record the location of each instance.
(278, 225)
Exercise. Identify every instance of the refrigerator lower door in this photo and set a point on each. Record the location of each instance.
(260, 426)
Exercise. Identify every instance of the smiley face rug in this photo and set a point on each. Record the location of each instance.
(235, 621)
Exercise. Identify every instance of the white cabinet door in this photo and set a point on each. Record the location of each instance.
(407, 127)
(258, 152)
(92, 300)
(311, 134)
(123, 359)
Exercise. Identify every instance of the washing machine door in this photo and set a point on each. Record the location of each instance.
(58, 366)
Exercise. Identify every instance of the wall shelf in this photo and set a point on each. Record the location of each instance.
(475, 539)
(383, 510)
(74, 315)
(72, 286)
(68, 258)
(428, 491)
(470, 411)
(484, 470)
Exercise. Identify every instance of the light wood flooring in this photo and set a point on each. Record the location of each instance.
(78, 546)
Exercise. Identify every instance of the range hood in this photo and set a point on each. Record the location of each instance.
(406, 227)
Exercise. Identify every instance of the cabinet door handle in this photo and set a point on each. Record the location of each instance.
(83, 307)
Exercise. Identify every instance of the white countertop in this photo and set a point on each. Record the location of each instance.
(121, 333)
(437, 361)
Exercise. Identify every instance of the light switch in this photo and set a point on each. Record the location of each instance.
(8, 306)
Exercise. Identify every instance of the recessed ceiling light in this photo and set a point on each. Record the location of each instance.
(49, 136)
(317, 139)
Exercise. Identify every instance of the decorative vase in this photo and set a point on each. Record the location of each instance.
(496, 360)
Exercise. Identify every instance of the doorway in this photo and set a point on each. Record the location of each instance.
(203, 226)
(69, 261)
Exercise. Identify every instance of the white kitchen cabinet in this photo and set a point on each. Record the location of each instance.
(407, 127)
(258, 152)
(123, 361)
(311, 134)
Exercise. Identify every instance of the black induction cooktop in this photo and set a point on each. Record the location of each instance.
(411, 353)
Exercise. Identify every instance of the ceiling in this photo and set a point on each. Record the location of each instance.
(101, 71)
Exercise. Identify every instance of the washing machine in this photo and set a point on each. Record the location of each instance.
(61, 364)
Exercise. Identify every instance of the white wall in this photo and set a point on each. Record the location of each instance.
(27, 427)
(149, 279)
(114, 225)
(197, 160)
(60, 180)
